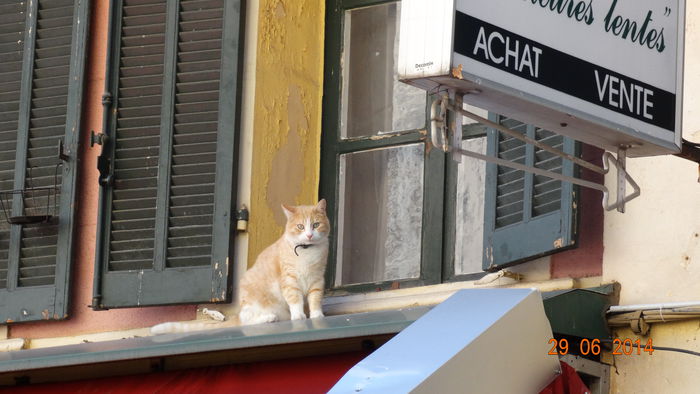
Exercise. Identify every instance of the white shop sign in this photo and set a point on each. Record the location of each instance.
(606, 72)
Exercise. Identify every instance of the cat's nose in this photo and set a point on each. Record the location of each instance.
(309, 236)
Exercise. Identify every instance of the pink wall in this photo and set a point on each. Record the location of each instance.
(587, 259)
(82, 319)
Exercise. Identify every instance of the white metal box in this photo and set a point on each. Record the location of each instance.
(476, 341)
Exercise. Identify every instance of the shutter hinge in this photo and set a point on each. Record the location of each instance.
(97, 304)
(242, 217)
(62, 154)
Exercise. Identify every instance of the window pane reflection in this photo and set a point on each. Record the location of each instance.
(374, 101)
(380, 215)
(469, 212)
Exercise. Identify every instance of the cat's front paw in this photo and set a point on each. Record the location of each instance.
(298, 316)
(315, 314)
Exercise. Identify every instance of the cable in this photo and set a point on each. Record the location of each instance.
(665, 348)
(673, 349)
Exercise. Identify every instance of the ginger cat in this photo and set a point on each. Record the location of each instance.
(289, 271)
(284, 275)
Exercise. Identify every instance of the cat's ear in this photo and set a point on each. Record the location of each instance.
(288, 210)
(321, 206)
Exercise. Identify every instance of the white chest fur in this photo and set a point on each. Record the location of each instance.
(310, 265)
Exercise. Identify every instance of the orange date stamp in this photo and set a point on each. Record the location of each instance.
(620, 347)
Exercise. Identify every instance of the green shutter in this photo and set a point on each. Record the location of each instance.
(165, 216)
(526, 215)
(42, 59)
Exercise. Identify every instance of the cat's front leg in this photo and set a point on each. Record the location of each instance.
(295, 299)
(314, 296)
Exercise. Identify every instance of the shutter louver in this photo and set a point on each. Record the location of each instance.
(511, 182)
(47, 125)
(42, 59)
(195, 131)
(526, 215)
(546, 192)
(12, 26)
(137, 135)
(172, 154)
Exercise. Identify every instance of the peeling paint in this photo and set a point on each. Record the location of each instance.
(558, 243)
(45, 314)
(287, 119)
(457, 72)
(279, 10)
(139, 291)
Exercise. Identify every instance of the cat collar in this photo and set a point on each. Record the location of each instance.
(303, 246)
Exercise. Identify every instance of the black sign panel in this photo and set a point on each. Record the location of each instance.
(517, 55)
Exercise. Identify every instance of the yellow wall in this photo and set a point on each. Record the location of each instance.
(287, 120)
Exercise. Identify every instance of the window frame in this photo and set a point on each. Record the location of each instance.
(333, 146)
(440, 173)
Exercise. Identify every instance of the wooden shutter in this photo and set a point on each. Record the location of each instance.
(526, 215)
(42, 58)
(166, 213)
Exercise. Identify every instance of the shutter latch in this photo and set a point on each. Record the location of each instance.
(103, 162)
(97, 138)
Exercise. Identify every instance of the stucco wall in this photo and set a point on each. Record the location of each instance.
(661, 371)
(287, 120)
(82, 319)
(653, 249)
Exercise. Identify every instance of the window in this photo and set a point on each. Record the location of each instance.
(406, 214)
(42, 57)
(167, 195)
(376, 170)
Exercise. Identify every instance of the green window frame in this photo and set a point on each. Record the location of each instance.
(437, 262)
(333, 146)
(42, 62)
(167, 168)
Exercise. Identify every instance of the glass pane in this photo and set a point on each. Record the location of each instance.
(374, 101)
(470, 209)
(380, 215)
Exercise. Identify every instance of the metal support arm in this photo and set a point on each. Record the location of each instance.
(438, 137)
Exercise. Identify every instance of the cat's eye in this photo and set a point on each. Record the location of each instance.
(300, 226)
(317, 224)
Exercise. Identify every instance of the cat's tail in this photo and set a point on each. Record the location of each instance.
(194, 325)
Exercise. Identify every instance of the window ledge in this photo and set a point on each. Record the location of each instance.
(333, 334)
(435, 294)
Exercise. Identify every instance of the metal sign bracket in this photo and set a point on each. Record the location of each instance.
(439, 139)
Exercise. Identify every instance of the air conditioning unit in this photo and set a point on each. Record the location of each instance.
(605, 72)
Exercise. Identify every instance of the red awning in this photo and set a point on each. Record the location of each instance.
(301, 375)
